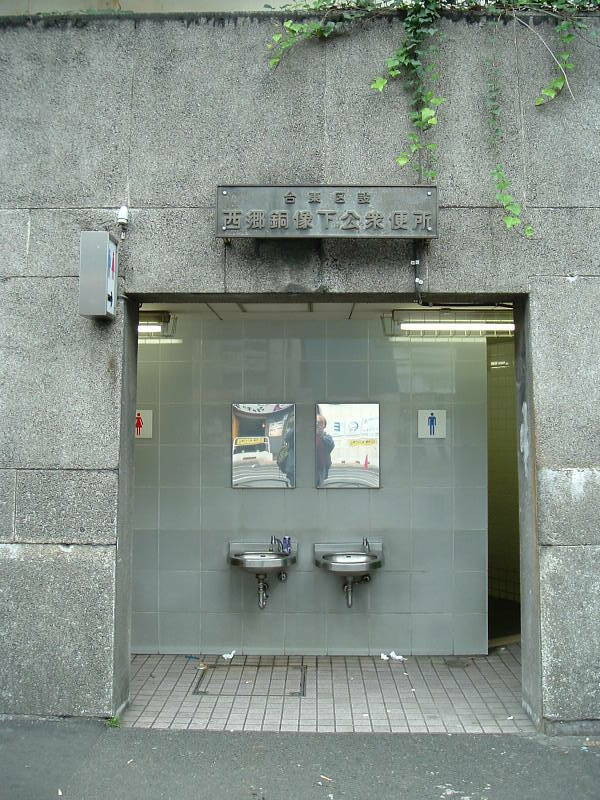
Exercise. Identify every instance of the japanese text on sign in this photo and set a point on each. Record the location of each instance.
(327, 211)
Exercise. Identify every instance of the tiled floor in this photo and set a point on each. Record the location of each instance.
(436, 694)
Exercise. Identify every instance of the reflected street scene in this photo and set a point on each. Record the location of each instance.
(263, 446)
(347, 445)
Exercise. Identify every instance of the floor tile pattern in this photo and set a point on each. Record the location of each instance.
(423, 694)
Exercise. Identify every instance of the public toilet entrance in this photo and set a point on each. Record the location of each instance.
(321, 433)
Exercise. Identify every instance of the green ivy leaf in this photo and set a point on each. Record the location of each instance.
(273, 62)
(511, 221)
(528, 231)
(513, 208)
(379, 84)
(403, 159)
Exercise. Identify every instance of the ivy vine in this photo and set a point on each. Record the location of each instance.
(413, 63)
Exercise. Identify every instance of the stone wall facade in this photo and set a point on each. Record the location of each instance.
(154, 112)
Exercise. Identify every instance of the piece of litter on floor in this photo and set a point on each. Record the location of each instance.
(202, 665)
(396, 657)
(228, 656)
(413, 690)
(59, 793)
(330, 796)
(384, 657)
(365, 715)
(319, 783)
(130, 761)
(325, 778)
(510, 718)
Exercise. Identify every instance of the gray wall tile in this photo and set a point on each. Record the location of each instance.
(179, 632)
(144, 632)
(431, 591)
(389, 632)
(179, 590)
(305, 634)
(179, 549)
(145, 549)
(431, 633)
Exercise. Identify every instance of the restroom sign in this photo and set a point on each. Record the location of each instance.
(431, 424)
(142, 428)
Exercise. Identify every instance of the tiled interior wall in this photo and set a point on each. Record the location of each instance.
(431, 512)
(503, 489)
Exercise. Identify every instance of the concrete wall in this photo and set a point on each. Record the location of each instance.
(154, 113)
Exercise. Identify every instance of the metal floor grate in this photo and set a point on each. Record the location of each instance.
(251, 680)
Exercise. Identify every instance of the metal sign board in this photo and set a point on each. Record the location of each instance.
(320, 212)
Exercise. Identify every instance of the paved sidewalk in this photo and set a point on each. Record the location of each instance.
(85, 760)
(327, 694)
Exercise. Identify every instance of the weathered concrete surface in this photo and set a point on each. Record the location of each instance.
(553, 133)
(173, 250)
(65, 101)
(570, 606)
(531, 640)
(54, 238)
(569, 506)
(61, 374)
(565, 353)
(56, 628)
(66, 506)
(207, 110)
(475, 252)
(7, 504)
(14, 236)
(122, 599)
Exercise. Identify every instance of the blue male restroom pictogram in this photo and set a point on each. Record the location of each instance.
(431, 423)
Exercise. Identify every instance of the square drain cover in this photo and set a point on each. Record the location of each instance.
(260, 680)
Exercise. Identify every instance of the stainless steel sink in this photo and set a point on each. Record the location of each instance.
(352, 564)
(262, 562)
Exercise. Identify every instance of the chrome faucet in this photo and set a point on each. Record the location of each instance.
(275, 542)
(366, 545)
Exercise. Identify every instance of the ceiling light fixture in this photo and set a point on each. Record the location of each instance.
(468, 325)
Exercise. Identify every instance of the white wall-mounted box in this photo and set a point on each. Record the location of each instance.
(98, 273)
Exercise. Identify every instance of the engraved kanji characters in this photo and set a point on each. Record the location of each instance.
(314, 197)
(303, 220)
(373, 220)
(278, 220)
(289, 198)
(399, 221)
(363, 197)
(328, 216)
(255, 219)
(232, 220)
(350, 220)
(339, 197)
(422, 221)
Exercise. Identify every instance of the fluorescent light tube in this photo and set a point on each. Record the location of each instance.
(145, 327)
(457, 326)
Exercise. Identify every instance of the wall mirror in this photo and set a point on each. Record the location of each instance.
(263, 445)
(347, 445)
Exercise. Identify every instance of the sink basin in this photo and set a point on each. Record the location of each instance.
(262, 562)
(351, 563)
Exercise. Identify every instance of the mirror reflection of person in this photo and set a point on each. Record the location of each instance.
(289, 465)
(324, 446)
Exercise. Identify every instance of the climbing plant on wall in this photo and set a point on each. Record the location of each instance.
(414, 64)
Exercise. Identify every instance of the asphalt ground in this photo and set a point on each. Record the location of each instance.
(80, 759)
